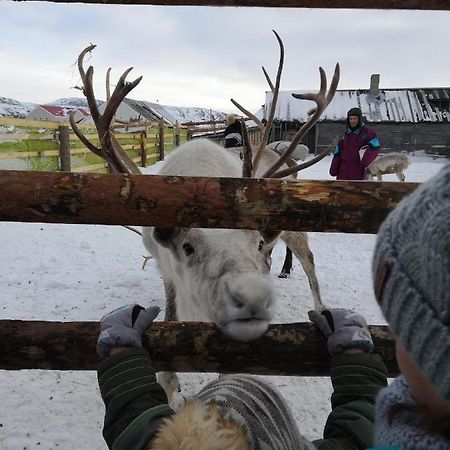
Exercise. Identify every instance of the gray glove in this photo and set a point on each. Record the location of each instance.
(124, 327)
(343, 329)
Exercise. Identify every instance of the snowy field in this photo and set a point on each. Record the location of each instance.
(75, 272)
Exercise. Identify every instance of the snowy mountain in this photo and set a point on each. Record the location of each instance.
(13, 108)
(75, 102)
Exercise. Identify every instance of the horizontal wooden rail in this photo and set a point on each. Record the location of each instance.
(31, 123)
(168, 201)
(366, 4)
(286, 349)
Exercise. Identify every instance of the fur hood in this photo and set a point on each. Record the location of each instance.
(199, 427)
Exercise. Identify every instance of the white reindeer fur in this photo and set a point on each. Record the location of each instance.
(199, 427)
(299, 154)
(225, 279)
(391, 163)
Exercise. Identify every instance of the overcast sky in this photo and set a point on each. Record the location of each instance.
(200, 56)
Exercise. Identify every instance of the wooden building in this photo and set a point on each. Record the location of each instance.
(406, 119)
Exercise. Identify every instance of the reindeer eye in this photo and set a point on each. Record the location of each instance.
(261, 245)
(188, 249)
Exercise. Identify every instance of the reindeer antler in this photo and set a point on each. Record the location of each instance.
(110, 149)
(275, 90)
(322, 99)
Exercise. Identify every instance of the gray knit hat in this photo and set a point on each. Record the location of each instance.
(411, 272)
(259, 408)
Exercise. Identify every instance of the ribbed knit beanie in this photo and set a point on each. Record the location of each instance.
(259, 408)
(411, 273)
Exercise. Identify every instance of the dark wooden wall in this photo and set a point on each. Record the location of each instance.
(434, 138)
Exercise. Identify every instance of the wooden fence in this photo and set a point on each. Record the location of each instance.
(50, 146)
(167, 201)
(305, 202)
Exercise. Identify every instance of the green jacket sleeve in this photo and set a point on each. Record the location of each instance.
(135, 403)
(357, 378)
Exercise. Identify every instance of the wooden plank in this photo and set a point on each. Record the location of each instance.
(20, 154)
(90, 167)
(28, 123)
(33, 154)
(15, 137)
(285, 349)
(170, 201)
(91, 137)
(31, 123)
(366, 4)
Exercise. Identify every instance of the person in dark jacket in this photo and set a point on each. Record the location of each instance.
(233, 132)
(357, 147)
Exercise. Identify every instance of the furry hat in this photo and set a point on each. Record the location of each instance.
(234, 412)
(354, 112)
(411, 272)
(231, 118)
(197, 426)
(357, 113)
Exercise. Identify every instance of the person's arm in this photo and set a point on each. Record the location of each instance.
(135, 403)
(357, 377)
(336, 161)
(373, 148)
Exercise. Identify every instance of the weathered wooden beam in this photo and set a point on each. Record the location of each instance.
(286, 349)
(270, 204)
(366, 4)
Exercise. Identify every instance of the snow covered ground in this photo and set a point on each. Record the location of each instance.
(74, 272)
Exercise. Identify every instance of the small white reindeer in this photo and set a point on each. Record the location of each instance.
(391, 163)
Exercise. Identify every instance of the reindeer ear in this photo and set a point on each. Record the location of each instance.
(270, 237)
(168, 237)
(163, 236)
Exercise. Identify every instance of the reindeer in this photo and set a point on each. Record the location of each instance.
(214, 274)
(299, 154)
(392, 163)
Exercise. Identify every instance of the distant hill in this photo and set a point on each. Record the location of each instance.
(13, 108)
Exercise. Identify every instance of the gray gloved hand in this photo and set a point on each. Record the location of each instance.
(123, 327)
(343, 329)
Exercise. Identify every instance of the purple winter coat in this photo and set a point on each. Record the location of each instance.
(347, 163)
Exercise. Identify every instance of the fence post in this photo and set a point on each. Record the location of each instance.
(177, 134)
(64, 149)
(143, 149)
(161, 140)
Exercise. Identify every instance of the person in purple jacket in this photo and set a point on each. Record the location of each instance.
(357, 147)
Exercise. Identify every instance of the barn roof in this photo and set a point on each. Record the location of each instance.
(386, 105)
(64, 111)
(150, 111)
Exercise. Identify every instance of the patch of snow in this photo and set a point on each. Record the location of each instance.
(13, 108)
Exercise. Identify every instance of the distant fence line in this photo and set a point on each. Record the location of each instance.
(51, 146)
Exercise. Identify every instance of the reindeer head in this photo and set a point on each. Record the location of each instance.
(218, 275)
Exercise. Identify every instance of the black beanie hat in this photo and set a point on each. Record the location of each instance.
(354, 112)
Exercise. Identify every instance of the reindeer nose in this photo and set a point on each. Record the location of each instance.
(250, 293)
